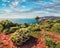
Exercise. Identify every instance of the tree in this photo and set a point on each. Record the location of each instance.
(26, 24)
(20, 36)
(37, 18)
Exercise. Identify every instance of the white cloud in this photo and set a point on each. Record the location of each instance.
(7, 11)
(14, 4)
(48, 8)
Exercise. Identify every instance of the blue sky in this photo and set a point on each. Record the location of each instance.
(29, 8)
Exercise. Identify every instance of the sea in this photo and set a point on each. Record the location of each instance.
(22, 21)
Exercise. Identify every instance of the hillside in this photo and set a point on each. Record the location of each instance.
(45, 34)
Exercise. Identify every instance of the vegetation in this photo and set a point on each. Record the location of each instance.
(37, 18)
(1, 27)
(51, 25)
(56, 28)
(57, 46)
(50, 44)
(20, 33)
(8, 27)
(20, 36)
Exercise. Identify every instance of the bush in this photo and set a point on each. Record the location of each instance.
(6, 23)
(10, 30)
(46, 26)
(34, 28)
(57, 46)
(1, 27)
(56, 28)
(13, 29)
(6, 31)
(57, 21)
(50, 44)
(23, 26)
(26, 24)
(20, 36)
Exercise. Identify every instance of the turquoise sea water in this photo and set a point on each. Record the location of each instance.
(21, 21)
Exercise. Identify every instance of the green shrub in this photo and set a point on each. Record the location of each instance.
(57, 46)
(6, 23)
(26, 24)
(56, 28)
(10, 30)
(57, 21)
(35, 34)
(34, 28)
(6, 31)
(20, 36)
(46, 26)
(23, 26)
(13, 29)
(1, 27)
(50, 44)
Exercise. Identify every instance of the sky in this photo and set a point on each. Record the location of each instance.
(29, 8)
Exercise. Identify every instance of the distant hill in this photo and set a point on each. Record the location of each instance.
(48, 17)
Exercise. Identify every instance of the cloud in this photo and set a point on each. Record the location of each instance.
(14, 4)
(31, 8)
(53, 5)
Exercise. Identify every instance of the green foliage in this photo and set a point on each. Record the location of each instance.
(35, 34)
(1, 27)
(26, 24)
(51, 25)
(57, 21)
(35, 27)
(6, 31)
(50, 44)
(56, 28)
(20, 33)
(37, 18)
(13, 29)
(57, 46)
(8, 27)
(10, 30)
(46, 26)
(20, 36)
(6, 23)
(23, 26)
